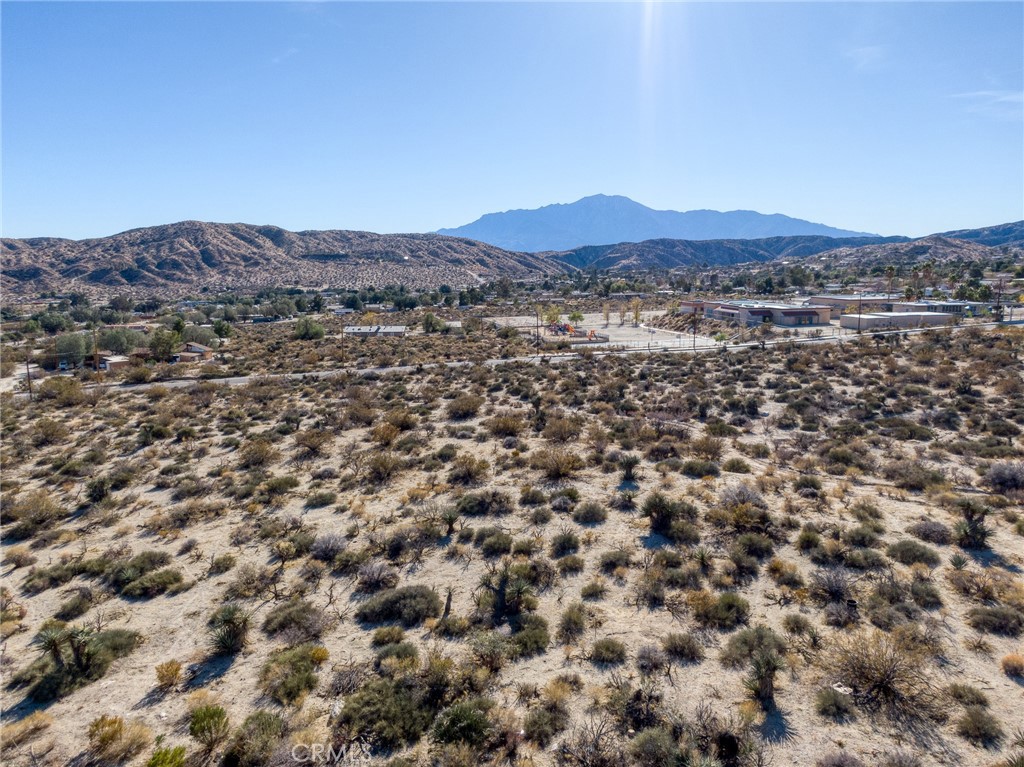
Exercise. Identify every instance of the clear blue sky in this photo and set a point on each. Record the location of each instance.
(898, 118)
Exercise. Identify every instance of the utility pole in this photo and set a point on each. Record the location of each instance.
(28, 379)
(95, 353)
(860, 314)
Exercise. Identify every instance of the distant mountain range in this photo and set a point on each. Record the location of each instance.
(609, 219)
(191, 256)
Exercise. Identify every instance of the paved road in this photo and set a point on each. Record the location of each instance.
(540, 358)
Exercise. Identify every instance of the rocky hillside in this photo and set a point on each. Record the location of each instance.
(670, 254)
(187, 256)
(935, 248)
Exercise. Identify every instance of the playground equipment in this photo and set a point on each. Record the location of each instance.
(574, 334)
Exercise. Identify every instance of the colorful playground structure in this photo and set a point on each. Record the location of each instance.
(575, 335)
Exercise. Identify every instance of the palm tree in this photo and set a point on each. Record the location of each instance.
(890, 275)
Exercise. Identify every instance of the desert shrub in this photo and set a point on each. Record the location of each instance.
(74, 657)
(608, 651)
(744, 644)
(564, 542)
(966, 695)
(255, 741)
(320, 498)
(464, 722)
(154, 583)
(409, 605)
(888, 672)
(979, 726)
(555, 463)
(570, 565)
(912, 475)
(1006, 477)
(909, 552)
(531, 636)
(209, 726)
(650, 659)
(1001, 619)
(931, 531)
(542, 723)
(699, 468)
(492, 502)
(222, 564)
(654, 747)
(736, 466)
(684, 648)
(589, 513)
(596, 589)
(402, 654)
(613, 560)
(464, 406)
(831, 584)
(672, 519)
(901, 759)
(573, 622)
(295, 621)
(168, 674)
(257, 454)
(796, 624)
(725, 613)
(76, 606)
(839, 759)
(113, 740)
(387, 713)
(290, 673)
(468, 469)
(167, 756)
(833, 704)
(926, 594)
(1013, 665)
(496, 543)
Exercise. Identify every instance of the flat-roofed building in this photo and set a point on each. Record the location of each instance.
(367, 331)
(747, 312)
(966, 308)
(895, 320)
(851, 303)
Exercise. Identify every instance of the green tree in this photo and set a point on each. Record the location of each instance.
(431, 323)
(306, 329)
(163, 343)
(71, 348)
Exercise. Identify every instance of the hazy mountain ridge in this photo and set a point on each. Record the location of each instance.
(608, 219)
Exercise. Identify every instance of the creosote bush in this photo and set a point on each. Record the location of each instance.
(408, 605)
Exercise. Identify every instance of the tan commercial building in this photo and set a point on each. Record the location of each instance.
(895, 320)
(759, 312)
(842, 303)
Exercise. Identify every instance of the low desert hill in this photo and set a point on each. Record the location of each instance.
(186, 256)
(670, 254)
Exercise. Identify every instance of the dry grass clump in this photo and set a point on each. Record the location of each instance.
(114, 740)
